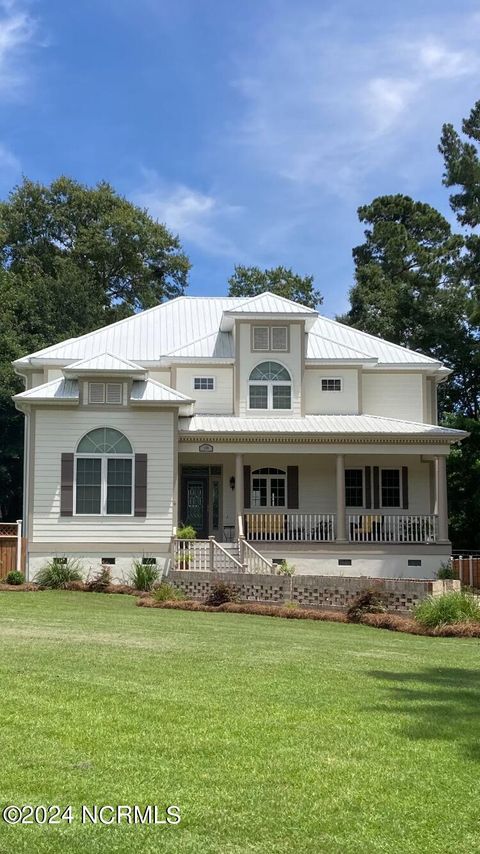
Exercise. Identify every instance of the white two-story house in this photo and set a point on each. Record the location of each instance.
(257, 421)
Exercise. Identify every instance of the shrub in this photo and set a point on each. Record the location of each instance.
(166, 592)
(15, 577)
(182, 560)
(368, 601)
(221, 592)
(100, 581)
(58, 572)
(186, 532)
(445, 572)
(454, 607)
(143, 575)
(285, 568)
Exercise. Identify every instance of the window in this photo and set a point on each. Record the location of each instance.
(273, 338)
(270, 387)
(105, 393)
(354, 487)
(204, 383)
(390, 488)
(331, 384)
(269, 488)
(104, 474)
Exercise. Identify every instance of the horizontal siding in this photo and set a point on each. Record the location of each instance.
(218, 402)
(318, 402)
(393, 395)
(58, 432)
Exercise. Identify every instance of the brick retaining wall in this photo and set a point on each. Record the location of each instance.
(312, 590)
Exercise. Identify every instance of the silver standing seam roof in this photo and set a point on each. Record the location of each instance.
(190, 327)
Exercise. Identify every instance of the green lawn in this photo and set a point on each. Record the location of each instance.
(271, 735)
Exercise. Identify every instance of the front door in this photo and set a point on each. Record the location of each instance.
(195, 503)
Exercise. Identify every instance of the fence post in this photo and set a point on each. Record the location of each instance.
(470, 569)
(19, 545)
(211, 549)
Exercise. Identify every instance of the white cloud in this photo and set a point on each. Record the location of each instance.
(17, 32)
(197, 217)
(324, 106)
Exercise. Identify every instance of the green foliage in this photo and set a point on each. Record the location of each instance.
(445, 572)
(101, 580)
(252, 281)
(454, 607)
(58, 572)
(285, 568)
(143, 575)
(72, 258)
(463, 470)
(221, 592)
(186, 532)
(368, 601)
(15, 577)
(166, 592)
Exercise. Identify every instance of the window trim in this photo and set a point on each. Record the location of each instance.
(355, 506)
(104, 401)
(400, 488)
(90, 455)
(269, 384)
(268, 477)
(259, 349)
(208, 378)
(331, 390)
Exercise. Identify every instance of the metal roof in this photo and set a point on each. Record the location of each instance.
(321, 425)
(55, 390)
(104, 363)
(190, 327)
(150, 391)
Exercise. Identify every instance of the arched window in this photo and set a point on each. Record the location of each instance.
(269, 487)
(270, 387)
(104, 474)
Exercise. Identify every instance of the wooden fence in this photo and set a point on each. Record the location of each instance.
(467, 569)
(13, 548)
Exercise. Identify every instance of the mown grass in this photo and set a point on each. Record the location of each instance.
(271, 735)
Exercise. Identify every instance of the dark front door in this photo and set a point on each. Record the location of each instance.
(195, 503)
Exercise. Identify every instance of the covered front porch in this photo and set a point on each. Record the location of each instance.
(308, 498)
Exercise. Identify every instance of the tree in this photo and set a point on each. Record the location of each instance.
(251, 281)
(72, 259)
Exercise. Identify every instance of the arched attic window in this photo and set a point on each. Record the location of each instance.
(270, 387)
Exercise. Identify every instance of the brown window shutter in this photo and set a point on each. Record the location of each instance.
(405, 487)
(246, 486)
(292, 487)
(66, 485)
(140, 484)
(376, 487)
(368, 487)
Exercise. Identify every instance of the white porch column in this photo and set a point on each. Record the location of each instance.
(441, 507)
(341, 536)
(238, 490)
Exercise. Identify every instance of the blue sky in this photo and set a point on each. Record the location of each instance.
(253, 129)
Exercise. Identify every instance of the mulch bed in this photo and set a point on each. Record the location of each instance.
(391, 622)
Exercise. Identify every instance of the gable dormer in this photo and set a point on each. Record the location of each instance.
(269, 333)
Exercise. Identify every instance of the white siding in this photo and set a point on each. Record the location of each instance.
(318, 402)
(217, 402)
(394, 395)
(291, 360)
(160, 376)
(58, 432)
(52, 374)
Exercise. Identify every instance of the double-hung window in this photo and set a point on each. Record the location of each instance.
(270, 387)
(354, 487)
(104, 474)
(390, 488)
(269, 488)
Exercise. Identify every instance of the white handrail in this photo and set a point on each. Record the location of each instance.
(392, 528)
(226, 555)
(288, 526)
(255, 561)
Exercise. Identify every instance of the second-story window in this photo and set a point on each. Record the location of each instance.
(270, 387)
(204, 383)
(331, 384)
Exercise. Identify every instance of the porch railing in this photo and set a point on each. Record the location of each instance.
(385, 528)
(290, 527)
(204, 556)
